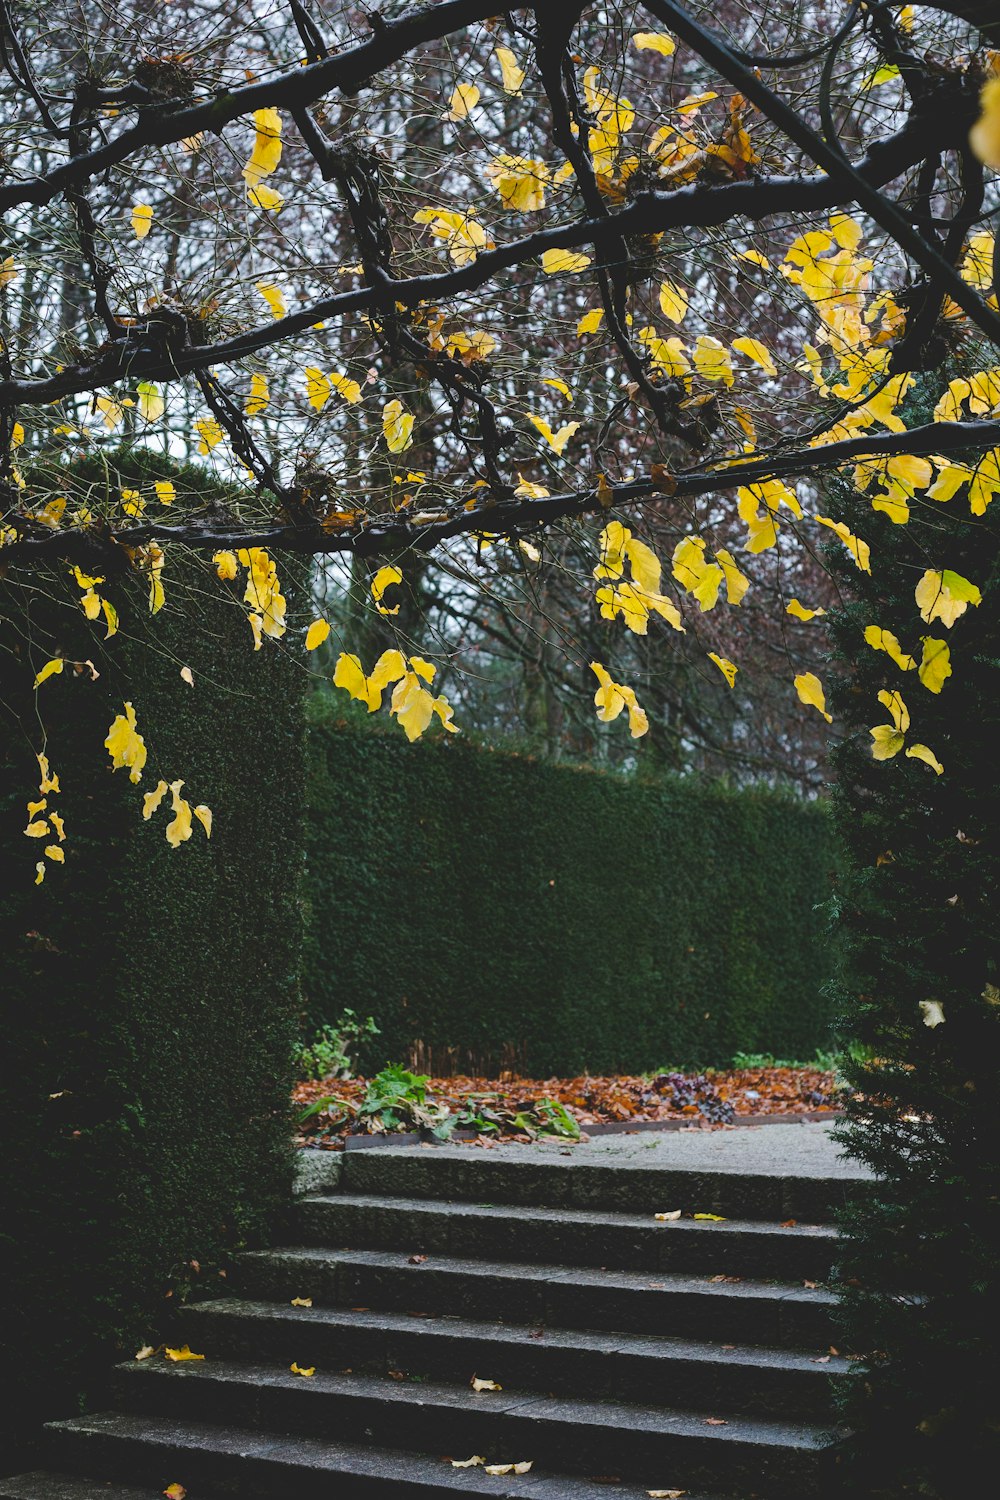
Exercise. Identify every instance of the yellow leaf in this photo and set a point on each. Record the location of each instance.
(931, 1012)
(590, 322)
(484, 1385)
(801, 611)
(463, 102)
(945, 596)
(225, 565)
(673, 301)
(810, 691)
(520, 1468)
(181, 1354)
(175, 1492)
(111, 619)
(302, 1302)
(558, 385)
(8, 271)
(463, 235)
(47, 782)
(152, 800)
(529, 488)
(38, 829)
(55, 853)
(555, 440)
(259, 396)
(984, 137)
(898, 710)
(349, 389)
(204, 816)
(146, 1352)
(935, 666)
(142, 218)
(884, 640)
(712, 361)
(273, 297)
(150, 404)
(125, 745)
(712, 1218)
(165, 492)
(266, 198)
(317, 387)
(40, 872)
(397, 427)
(921, 752)
(51, 669)
(612, 697)
(316, 634)
(468, 1463)
(754, 257)
(308, 1372)
(859, 550)
(554, 261)
(383, 579)
(513, 76)
(266, 147)
(349, 675)
(179, 827)
(727, 668)
(210, 434)
(669, 1216)
(58, 825)
(755, 350)
(654, 41)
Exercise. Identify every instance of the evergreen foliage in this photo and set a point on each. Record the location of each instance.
(921, 1273)
(489, 909)
(149, 994)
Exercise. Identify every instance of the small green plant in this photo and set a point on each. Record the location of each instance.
(333, 1049)
(396, 1099)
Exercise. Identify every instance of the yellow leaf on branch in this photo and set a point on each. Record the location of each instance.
(142, 219)
(385, 578)
(126, 745)
(810, 691)
(266, 152)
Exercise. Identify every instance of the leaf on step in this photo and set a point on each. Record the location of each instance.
(417, 1260)
(824, 1359)
(145, 1352)
(716, 1422)
(484, 1385)
(302, 1302)
(396, 1374)
(468, 1463)
(298, 1370)
(175, 1492)
(521, 1468)
(669, 1217)
(712, 1218)
(812, 1285)
(789, 1223)
(666, 1494)
(182, 1353)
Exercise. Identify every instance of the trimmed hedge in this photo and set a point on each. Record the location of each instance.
(489, 909)
(149, 994)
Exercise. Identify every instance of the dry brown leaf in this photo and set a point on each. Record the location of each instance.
(302, 1302)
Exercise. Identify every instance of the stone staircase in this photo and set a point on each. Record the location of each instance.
(634, 1355)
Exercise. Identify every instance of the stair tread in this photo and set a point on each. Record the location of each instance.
(43, 1484)
(670, 1281)
(345, 1459)
(762, 1432)
(573, 1216)
(568, 1341)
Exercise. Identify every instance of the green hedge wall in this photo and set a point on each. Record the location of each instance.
(149, 994)
(487, 908)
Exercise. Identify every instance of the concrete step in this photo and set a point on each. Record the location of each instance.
(628, 1367)
(460, 1174)
(783, 1315)
(578, 1436)
(581, 1237)
(44, 1486)
(225, 1461)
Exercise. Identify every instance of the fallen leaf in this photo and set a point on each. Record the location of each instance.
(668, 1218)
(666, 1494)
(302, 1302)
(468, 1463)
(716, 1422)
(811, 1285)
(147, 1350)
(712, 1218)
(484, 1385)
(188, 676)
(177, 1355)
(298, 1370)
(396, 1374)
(824, 1359)
(175, 1492)
(521, 1468)
(417, 1260)
(789, 1223)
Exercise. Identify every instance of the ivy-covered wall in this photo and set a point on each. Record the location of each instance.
(149, 994)
(490, 909)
